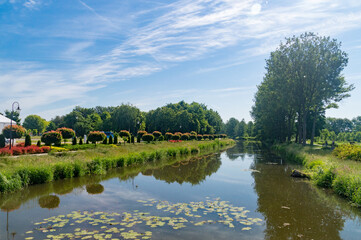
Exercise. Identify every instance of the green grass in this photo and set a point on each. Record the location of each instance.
(17, 172)
(326, 169)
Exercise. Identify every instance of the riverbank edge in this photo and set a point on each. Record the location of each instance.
(26, 176)
(323, 171)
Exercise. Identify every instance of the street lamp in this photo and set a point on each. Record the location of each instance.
(11, 120)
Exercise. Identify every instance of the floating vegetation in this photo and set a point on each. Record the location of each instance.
(127, 225)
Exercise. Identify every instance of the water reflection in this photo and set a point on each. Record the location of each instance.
(95, 188)
(49, 202)
(291, 207)
(193, 171)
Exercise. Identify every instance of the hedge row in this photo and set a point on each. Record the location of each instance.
(41, 174)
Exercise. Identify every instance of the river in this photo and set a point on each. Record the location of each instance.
(241, 193)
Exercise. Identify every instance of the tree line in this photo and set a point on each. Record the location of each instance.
(303, 78)
(174, 117)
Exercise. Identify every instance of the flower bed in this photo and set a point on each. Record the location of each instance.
(21, 150)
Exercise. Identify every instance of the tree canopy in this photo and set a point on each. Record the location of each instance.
(303, 79)
(35, 122)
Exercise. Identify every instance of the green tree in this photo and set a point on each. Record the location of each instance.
(303, 77)
(231, 127)
(15, 117)
(126, 117)
(35, 122)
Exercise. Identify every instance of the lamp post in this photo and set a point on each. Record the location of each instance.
(11, 120)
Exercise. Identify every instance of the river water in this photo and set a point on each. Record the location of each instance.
(242, 193)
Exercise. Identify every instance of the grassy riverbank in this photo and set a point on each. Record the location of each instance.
(17, 172)
(326, 170)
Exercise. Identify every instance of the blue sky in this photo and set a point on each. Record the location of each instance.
(55, 55)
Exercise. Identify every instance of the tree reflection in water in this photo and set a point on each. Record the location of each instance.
(292, 209)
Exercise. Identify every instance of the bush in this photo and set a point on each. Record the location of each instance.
(161, 138)
(132, 139)
(110, 139)
(194, 133)
(17, 131)
(124, 133)
(74, 141)
(138, 139)
(148, 137)
(141, 133)
(176, 137)
(51, 137)
(81, 141)
(115, 139)
(38, 143)
(157, 134)
(105, 141)
(193, 137)
(325, 178)
(348, 151)
(184, 137)
(2, 140)
(168, 136)
(66, 133)
(199, 137)
(96, 136)
(27, 140)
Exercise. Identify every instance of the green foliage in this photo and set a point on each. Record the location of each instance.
(148, 137)
(141, 133)
(35, 122)
(15, 116)
(176, 137)
(52, 137)
(38, 143)
(303, 79)
(96, 136)
(183, 116)
(73, 141)
(80, 141)
(348, 151)
(27, 140)
(124, 133)
(184, 137)
(66, 133)
(115, 139)
(110, 139)
(324, 178)
(161, 138)
(132, 139)
(105, 141)
(157, 134)
(17, 131)
(168, 136)
(2, 140)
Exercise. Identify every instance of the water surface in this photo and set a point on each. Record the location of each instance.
(242, 193)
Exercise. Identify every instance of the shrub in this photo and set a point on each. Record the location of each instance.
(66, 133)
(325, 178)
(148, 137)
(193, 137)
(105, 141)
(132, 139)
(124, 133)
(27, 140)
(96, 136)
(157, 134)
(193, 133)
(81, 141)
(110, 139)
(51, 137)
(185, 136)
(161, 138)
(141, 133)
(74, 141)
(5, 152)
(176, 137)
(38, 143)
(199, 137)
(17, 131)
(168, 136)
(87, 141)
(2, 140)
(45, 149)
(348, 151)
(138, 139)
(206, 136)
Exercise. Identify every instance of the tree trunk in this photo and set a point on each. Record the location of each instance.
(313, 127)
(299, 129)
(304, 128)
